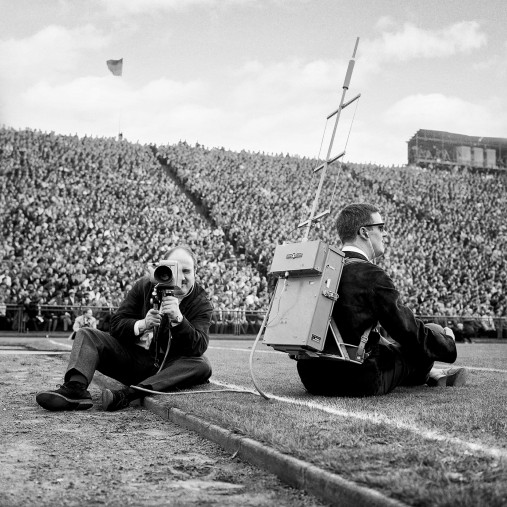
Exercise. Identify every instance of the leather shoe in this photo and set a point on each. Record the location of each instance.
(70, 396)
(453, 377)
(115, 400)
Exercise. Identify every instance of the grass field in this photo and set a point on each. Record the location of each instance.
(423, 446)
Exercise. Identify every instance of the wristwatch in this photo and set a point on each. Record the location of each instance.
(177, 320)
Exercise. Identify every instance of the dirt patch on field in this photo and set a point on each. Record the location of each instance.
(131, 457)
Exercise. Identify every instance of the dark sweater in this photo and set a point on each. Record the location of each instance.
(189, 338)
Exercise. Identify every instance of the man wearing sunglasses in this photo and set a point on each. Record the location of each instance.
(367, 299)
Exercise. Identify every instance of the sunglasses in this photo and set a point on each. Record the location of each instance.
(380, 225)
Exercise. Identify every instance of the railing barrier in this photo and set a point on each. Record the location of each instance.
(244, 321)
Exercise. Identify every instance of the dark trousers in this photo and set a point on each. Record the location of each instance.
(132, 365)
(388, 368)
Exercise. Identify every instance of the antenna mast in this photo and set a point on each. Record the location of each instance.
(323, 167)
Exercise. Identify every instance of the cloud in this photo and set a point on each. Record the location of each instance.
(106, 93)
(385, 22)
(283, 105)
(275, 85)
(135, 7)
(411, 42)
(493, 65)
(95, 105)
(50, 54)
(440, 112)
(276, 108)
(369, 146)
(155, 7)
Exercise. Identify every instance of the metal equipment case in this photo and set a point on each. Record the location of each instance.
(304, 296)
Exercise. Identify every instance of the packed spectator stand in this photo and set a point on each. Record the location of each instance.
(82, 218)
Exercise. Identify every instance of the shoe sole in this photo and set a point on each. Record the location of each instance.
(56, 402)
(107, 399)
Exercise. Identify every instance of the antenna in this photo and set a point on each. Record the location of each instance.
(299, 320)
(313, 218)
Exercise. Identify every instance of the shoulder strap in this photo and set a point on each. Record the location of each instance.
(362, 344)
(352, 260)
(365, 335)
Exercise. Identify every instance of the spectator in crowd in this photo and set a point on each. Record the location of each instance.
(469, 330)
(4, 322)
(70, 314)
(241, 325)
(218, 317)
(56, 302)
(459, 333)
(85, 320)
(33, 315)
(153, 349)
(367, 297)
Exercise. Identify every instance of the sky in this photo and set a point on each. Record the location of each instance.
(259, 75)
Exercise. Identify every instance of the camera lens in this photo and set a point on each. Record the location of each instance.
(163, 274)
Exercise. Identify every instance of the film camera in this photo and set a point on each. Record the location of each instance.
(166, 276)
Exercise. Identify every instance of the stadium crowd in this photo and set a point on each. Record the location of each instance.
(82, 218)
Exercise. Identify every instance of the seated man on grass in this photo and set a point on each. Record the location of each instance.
(158, 350)
(368, 297)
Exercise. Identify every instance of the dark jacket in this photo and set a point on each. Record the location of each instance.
(189, 338)
(367, 296)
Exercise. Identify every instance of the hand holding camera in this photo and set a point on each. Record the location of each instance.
(168, 280)
(152, 319)
(171, 307)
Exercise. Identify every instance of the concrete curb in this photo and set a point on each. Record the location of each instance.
(328, 487)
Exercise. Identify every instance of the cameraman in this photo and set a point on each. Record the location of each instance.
(367, 297)
(154, 349)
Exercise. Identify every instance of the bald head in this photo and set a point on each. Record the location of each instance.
(186, 265)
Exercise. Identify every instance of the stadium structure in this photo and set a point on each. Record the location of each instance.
(445, 148)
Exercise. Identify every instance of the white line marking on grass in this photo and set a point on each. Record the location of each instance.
(377, 418)
(496, 370)
(31, 352)
(60, 344)
(477, 368)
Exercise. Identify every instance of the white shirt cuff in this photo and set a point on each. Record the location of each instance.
(137, 326)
